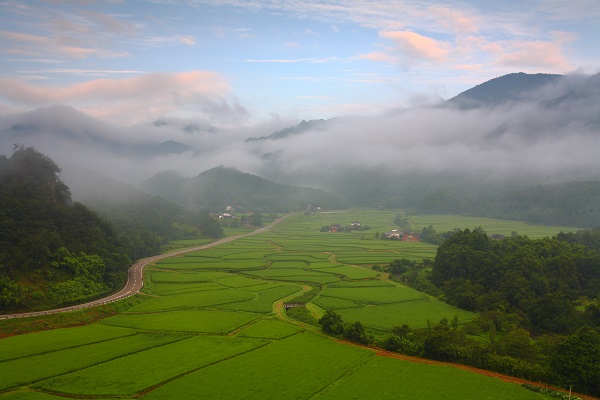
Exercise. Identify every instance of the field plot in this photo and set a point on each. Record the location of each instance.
(263, 300)
(386, 378)
(184, 277)
(444, 223)
(201, 321)
(130, 375)
(27, 370)
(269, 328)
(296, 367)
(169, 289)
(414, 313)
(374, 295)
(199, 299)
(57, 339)
(349, 272)
(296, 275)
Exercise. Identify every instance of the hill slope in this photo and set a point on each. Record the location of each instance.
(218, 187)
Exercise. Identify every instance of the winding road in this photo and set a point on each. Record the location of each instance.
(135, 275)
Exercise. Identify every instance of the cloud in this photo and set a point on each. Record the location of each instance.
(149, 94)
(40, 46)
(187, 39)
(536, 54)
(454, 20)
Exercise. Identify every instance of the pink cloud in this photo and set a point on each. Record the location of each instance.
(40, 45)
(536, 54)
(417, 46)
(187, 39)
(183, 84)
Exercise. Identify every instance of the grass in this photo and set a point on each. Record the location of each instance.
(292, 368)
(195, 299)
(414, 313)
(386, 378)
(199, 321)
(27, 370)
(444, 223)
(375, 294)
(269, 328)
(263, 300)
(57, 339)
(124, 377)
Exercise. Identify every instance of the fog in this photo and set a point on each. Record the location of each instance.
(552, 135)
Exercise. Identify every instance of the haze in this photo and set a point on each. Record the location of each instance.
(134, 89)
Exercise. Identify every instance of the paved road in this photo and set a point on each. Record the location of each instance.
(135, 277)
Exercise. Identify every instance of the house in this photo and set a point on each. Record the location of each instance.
(411, 237)
(226, 216)
(355, 225)
(394, 234)
(335, 228)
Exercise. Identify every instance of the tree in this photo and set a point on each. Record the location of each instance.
(577, 361)
(332, 323)
(355, 332)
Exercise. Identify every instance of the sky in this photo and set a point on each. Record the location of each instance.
(236, 63)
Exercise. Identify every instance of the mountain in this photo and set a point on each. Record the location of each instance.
(511, 87)
(548, 90)
(219, 187)
(304, 126)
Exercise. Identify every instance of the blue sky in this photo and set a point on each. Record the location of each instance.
(234, 62)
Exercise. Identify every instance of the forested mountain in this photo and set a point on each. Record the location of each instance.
(219, 187)
(52, 251)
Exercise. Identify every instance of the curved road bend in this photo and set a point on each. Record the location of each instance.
(135, 275)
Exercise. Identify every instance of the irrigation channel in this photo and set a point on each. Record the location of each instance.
(135, 275)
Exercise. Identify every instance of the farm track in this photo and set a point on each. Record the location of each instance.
(135, 275)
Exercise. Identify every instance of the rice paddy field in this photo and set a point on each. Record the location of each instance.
(208, 324)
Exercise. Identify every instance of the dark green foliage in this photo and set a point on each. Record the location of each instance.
(413, 274)
(577, 361)
(355, 332)
(332, 323)
(539, 278)
(52, 252)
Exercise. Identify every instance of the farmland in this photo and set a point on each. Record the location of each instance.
(206, 319)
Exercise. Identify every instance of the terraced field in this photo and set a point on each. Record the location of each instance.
(205, 327)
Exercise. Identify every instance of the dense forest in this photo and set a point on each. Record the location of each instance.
(536, 302)
(54, 251)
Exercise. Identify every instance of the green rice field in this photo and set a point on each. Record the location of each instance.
(207, 324)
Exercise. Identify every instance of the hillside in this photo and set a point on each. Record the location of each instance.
(52, 251)
(219, 187)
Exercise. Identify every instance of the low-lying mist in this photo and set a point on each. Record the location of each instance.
(553, 135)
